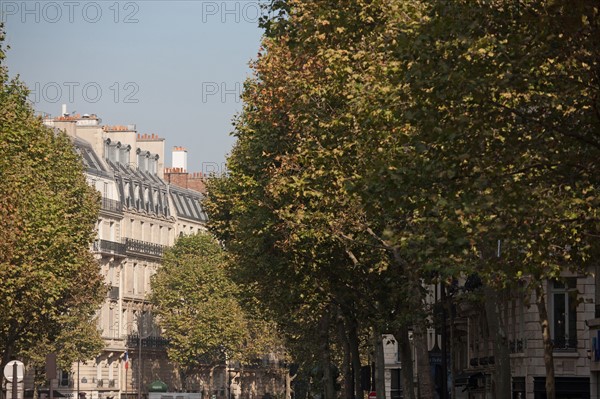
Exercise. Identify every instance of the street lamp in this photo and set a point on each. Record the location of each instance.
(145, 329)
(149, 329)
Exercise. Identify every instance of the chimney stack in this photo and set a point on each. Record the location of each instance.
(179, 159)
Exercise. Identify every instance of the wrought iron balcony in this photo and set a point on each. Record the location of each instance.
(144, 248)
(112, 205)
(109, 247)
(564, 343)
(147, 343)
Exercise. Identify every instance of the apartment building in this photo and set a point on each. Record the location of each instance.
(141, 214)
(574, 318)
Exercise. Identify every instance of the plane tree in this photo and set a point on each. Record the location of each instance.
(196, 305)
(492, 134)
(49, 280)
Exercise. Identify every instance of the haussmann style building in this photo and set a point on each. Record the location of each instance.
(145, 207)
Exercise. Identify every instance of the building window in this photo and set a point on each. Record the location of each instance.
(564, 313)
(63, 379)
(516, 315)
(136, 269)
(131, 278)
(396, 386)
(126, 196)
(146, 199)
(112, 231)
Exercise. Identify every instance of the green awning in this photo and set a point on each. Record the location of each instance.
(157, 386)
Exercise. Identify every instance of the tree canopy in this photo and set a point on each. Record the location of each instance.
(198, 307)
(50, 284)
(388, 143)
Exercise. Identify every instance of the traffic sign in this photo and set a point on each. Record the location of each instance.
(372, 395)
(8, 370)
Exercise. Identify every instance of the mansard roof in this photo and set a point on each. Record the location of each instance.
(92, 162)
(140, 190)
(188, 203)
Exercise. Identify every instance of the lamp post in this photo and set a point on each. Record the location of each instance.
(444, 342)
(141, 336)
(139, 395)
(78, 361)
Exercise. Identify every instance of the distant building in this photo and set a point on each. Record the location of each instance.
(574, 316)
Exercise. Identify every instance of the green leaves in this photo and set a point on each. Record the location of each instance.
(198, 306)
(48, 212)
(387, 143)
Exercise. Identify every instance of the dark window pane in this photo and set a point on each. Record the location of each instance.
(572, 318)
(558, 285)
(559, 318)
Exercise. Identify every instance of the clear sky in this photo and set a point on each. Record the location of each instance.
(175, 68)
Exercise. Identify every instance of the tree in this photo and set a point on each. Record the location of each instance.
(506, 114)
(196, 304)
(288, 211)
(48, 277)
(78, 341)
(406, 139)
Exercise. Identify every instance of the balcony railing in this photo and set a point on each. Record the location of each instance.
(110, 247)
(144, 248)
(516, 345)
(112, 205)
(148, 343)
(565, 343)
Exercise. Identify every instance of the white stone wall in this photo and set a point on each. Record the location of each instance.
(567, 363)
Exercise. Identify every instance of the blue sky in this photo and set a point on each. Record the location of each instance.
(175, 68)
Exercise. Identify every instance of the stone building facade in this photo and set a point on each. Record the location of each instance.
(574, 318)
(141, 214)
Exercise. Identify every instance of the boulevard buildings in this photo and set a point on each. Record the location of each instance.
(145, 207)
(574, 317)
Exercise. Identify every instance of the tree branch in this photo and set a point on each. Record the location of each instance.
(571, 134)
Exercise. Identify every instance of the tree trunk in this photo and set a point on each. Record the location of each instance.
(183, 378)
(379, 364)
(211, 379)
(6, 355)
(424, 373)
(502, 373)
(242, 382)
(36, 387)
(348, 389)
(328, 383)
(288, 384)
(355, 351)
(452, 350)
(540, 297)
(406, 361)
